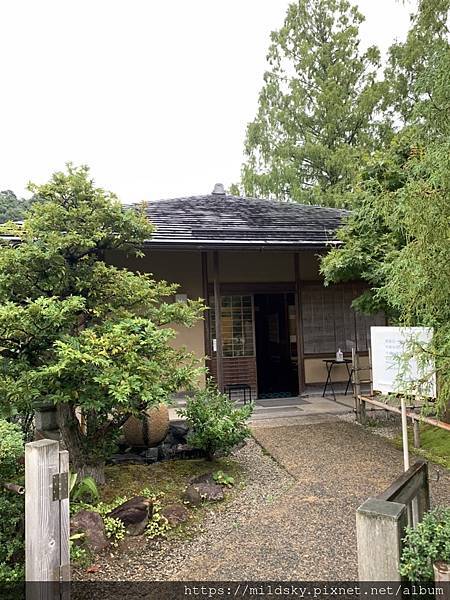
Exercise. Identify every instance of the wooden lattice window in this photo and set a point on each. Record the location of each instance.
(237, 325)
(329, 322)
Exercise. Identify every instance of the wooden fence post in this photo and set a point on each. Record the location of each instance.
(356, 388)
(361, 416)
(380, 527)
(47, 552)
(416, 432)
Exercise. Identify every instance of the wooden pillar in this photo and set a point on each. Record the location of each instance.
(218, 314)
(47, 555)
(380, 528)
(298, 313)
(207, 315)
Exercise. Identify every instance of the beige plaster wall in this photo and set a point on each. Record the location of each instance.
(264, 267)
(316, 372)
(183, 268)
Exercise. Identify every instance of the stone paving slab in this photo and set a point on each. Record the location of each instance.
(309, 532)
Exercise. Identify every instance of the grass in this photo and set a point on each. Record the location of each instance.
(434, 444)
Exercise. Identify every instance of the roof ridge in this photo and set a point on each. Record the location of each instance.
(230, 197)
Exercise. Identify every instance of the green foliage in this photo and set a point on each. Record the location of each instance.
(102, 508)
(78, 332)
(12, 208)
(317, 113)
(11, 505)
(398, 239)
(369, 235)
(79, 555)
(82, 489)
(157, 525)
(410, 60)
(434, 444)
(217, 425)
(115, 530)
(223, 479)
(425, 544)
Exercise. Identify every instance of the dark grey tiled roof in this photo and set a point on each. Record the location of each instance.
(218, 220)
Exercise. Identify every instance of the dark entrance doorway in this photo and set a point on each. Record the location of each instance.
(276, 348)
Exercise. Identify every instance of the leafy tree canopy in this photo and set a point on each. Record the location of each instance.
(397, 238)
(409, 60)
(317, 109)
(78, 332)
(12, 208)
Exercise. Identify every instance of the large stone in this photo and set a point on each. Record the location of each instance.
(175, 514)
(91, 524)
(179, 431)
(134, 514)
(204, 478)
(127, 459)
(192, 496)
(148, 430)
(210, 491)
(196, 492)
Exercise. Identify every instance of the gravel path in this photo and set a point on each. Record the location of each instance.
(295, 519)
(162, 560)
(309, 533)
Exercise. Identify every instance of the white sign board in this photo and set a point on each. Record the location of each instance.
(389, 346)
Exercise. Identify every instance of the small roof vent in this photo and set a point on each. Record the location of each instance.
(219, 190)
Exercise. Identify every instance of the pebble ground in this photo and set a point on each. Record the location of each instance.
(295, 518)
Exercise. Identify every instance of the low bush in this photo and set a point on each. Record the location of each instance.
(217, 425)
(428, 543)
(11, 505)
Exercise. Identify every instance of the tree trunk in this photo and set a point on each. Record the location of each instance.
(97, 472)
(83, 460)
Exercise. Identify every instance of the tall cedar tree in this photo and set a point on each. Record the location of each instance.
(397, 238)
(408, 61)
(317, 109)
(79, 333)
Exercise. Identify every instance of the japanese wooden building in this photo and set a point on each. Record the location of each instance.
(256, 263)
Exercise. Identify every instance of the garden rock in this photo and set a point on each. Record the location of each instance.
(91, 524)
(192, 496)
(175, 514)
(179, 431)
(152, 455)
(210, 492)
(204, 478)
(134, 514)
(127, 459)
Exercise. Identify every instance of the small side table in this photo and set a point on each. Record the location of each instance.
(239, 387)
(330, 363)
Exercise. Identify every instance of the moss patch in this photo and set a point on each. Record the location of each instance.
(434, 444)
(168, 477)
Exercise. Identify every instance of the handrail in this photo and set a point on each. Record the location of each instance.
(411, 415)
(409, 485)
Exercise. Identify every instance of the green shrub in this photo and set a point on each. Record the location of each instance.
(217, 425)
(11, 505)
(427, 543)
(223, 479)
